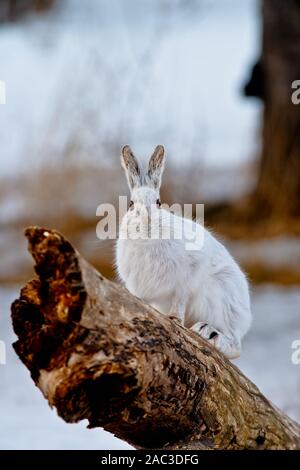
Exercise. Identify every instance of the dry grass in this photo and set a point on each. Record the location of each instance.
(66, 198)
(259, 274)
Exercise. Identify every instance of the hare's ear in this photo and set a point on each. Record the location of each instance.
(131, 167)
(156, 166)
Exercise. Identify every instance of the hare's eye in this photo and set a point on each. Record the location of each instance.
(158, 203)
(131, 204)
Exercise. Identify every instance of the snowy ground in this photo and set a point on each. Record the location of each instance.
(26, 421)
(281, 252)
(266, 357)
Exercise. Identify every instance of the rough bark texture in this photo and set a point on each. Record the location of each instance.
(96, 352)
(278, 190)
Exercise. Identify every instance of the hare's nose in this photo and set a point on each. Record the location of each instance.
(145, 213)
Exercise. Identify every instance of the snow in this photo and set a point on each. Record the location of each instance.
(267, 351)
(90, 76)
(281, 252)
(27, 422)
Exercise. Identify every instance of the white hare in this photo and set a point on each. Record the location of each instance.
(204, 287)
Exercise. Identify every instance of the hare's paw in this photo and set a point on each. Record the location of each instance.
(206, 331)
(229, 346)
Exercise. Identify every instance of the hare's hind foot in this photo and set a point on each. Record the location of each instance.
(230, 347)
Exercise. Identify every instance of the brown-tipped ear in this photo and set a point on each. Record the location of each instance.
(156, 166)
(131, 167)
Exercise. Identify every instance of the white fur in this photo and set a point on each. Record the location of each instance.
(204, 287)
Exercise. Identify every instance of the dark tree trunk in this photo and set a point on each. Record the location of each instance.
(11, 10)
(273, 206)
(278, 188)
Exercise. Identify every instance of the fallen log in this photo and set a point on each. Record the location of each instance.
(98, 353)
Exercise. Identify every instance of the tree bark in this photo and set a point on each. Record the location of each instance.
(98, 353)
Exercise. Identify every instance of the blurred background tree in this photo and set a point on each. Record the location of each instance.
(274, 205)
(11, 10)
(278, 188)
